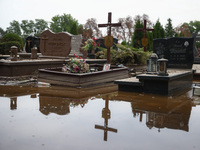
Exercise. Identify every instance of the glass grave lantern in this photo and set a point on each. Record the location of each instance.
(162, 67)
(152, 64)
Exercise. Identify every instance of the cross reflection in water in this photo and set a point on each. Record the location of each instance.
(106, 115)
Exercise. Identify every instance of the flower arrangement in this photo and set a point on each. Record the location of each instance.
(76, 65)
(90, 44)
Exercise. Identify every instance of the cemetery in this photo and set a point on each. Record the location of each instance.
(71, 94)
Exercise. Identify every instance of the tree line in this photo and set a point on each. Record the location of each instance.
(127, 33)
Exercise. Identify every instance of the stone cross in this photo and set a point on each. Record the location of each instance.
(109, 25)
(144, 40)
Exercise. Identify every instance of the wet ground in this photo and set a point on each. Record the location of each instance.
(49, 118)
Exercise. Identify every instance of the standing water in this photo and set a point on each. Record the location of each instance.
(50, 118)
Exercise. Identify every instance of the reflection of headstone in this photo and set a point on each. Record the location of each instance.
(75, 45)
(178, 51)
(31, 42)
(58, 44)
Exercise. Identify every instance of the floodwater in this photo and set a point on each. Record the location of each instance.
(50, 118)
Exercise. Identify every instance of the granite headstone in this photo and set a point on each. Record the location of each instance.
(58, 44)
(76, 42)
(32, 42)
(178, 51)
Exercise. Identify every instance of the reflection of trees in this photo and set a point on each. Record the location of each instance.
(59, 105)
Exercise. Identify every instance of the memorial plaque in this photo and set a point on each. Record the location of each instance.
(58, 44)
(76, 41)
(178, 51)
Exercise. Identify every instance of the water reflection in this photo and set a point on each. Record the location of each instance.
(161, 111)
(106, 114)
(130, 115)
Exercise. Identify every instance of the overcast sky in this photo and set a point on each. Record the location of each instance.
(179, 11)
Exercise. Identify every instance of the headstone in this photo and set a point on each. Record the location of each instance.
(58, 44)
(178, 51)
(13, 53)
(34, 53)
(76, 42)
(32, 42)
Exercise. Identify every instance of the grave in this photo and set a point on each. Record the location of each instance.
(55, 45)
(55, 76)
(31, 42)
(179, 52)
(76, 42)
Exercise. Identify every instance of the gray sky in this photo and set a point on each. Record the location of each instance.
(179, 11)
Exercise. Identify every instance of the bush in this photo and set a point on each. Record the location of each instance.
(125, 55)
(9, 40)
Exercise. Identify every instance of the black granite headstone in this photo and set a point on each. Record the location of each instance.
(31, 42)
(178, 51)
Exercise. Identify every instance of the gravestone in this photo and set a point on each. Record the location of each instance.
(32, 42)
(178, 51)
(76, 42)
(58, 44)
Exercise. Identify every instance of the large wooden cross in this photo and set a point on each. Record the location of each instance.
(144, 40)
(109, 25)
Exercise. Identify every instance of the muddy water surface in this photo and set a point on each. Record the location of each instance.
(49, 118)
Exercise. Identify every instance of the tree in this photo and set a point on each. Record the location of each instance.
(183, 30)
(40, 26)
(14, 28)
(74, 29)
(8, 40)
(137, 36)
(2, 32)
(62, 23)
(91, 24)
(159, 31)
(27, 27)
(169, 29)
(124, 32)
(194, 26)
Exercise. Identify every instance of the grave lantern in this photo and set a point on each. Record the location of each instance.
(152, 64)
(162, 67)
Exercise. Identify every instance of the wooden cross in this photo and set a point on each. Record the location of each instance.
(106, 116)
(145, 30)
(44, 38)
(109, 25)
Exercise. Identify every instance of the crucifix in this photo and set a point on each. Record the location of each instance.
(144, 39)
(109, 39)
(44, 38)
(106, 116)
(29, 41)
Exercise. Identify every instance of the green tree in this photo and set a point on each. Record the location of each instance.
(14, 28)
(8, 40)
(2, 32)
(63, 23)
(169, 30)
(194, 26)
(74, 29)
(137, 35)
(159, 31)
(27, 27)
(39, 26)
